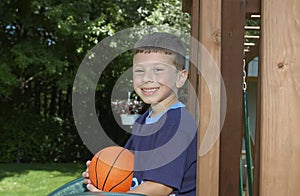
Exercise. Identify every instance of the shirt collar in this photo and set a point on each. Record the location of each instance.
(150, 120)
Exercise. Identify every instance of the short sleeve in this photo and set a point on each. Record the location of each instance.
(170, 174)
(129, 144)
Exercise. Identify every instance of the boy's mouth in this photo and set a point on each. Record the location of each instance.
(149, 91)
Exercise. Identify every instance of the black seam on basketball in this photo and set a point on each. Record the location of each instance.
(120, 182)
(96, 169)
(111, 168)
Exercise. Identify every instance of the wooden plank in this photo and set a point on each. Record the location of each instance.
(233, 22)
(280, 95)
(256, 162)
(253, 6)
(194, 49)
(209, 27)
(187, 6)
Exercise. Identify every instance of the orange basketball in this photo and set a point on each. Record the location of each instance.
(111, 169)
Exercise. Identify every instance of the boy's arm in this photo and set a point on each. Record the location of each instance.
(152, 188)
(147, 188)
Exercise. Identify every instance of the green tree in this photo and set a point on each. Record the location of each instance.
(42, 44)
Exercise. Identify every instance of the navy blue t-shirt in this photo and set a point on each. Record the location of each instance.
(166, 151)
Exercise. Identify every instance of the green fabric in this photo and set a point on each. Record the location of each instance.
(105, 194)
(77, 188)
(248, 143)
(74, 187)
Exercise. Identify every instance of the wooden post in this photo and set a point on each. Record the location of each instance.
(280, 98)
(194, 49)
(253, 6)
(206, 28)
(233, 22)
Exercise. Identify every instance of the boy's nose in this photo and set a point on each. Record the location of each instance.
(149, 77)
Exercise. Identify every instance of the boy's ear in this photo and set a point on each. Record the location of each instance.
(181, 78)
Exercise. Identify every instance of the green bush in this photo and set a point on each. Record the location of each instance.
(27, 137)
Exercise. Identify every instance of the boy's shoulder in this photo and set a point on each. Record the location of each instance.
(178, 114)
(181, 114)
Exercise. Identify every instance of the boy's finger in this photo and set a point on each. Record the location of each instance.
(85, 174)
(91, 188)
(88, 163)
(86, 181)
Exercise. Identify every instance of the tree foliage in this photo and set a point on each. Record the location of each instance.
(42, 44)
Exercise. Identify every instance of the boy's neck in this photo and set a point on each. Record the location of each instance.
(164, 105)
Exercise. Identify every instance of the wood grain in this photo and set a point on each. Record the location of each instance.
(280, 98)
(206, 27)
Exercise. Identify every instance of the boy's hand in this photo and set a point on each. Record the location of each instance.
(85, 174)
(152, 188)
(87, 181)
(92, 188)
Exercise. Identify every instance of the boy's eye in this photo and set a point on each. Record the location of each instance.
(158, 69)
(138, 71)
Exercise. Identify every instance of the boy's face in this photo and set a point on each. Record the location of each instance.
(155, 77)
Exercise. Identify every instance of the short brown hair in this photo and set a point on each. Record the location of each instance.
(165, 43)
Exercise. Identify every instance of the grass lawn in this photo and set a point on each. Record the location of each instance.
(36, 179)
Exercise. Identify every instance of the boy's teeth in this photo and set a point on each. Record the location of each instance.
(150, 90)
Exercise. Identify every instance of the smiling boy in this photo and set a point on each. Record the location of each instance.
(164, 139)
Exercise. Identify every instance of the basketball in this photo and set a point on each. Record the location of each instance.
(111, 169)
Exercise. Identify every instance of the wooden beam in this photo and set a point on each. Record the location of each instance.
(256, 162)
(233, 22)
(187, 6)
(194, 50)
(280, 95)
(206, 27)
(253, 6)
